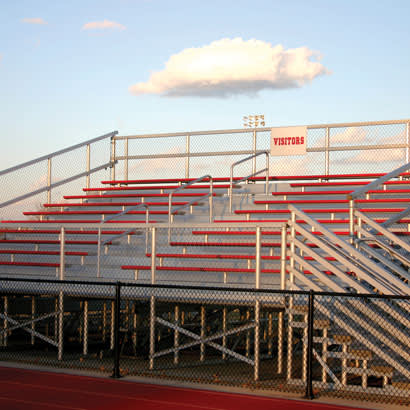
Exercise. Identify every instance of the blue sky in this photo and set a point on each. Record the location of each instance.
(66, 68)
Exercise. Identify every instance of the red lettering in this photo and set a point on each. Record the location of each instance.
(293, 140)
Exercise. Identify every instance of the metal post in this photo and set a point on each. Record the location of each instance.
(153, 254)
(187, 151)
(176, 335)
(327, 153)
(49, 180)
(5, 321)
(254, 152)
(33, 316)
(126, 159)
(283, 244)
(87, 178)
(85, 324)
(62, 253)
(270, 333)
(280, 342)
(104, 320)
(113, 158)
(248, 335)
(60, 324)
(116, 371)
(202, 346)
(351, 220)
(258, 258)
(99, 254)
(224, 312)
(309, 365)
(112, 329)
(152, 333)
(257, 340)
(408, 142)
(61, 296)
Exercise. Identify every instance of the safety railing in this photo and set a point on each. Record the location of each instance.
(389, 243)
(209, 195)
(266, 169)
(372, 185)
(46, 182)
(186, 151)
(328, 263)
(370, 274)
(128, 232)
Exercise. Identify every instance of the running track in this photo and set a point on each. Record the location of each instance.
(35, 390)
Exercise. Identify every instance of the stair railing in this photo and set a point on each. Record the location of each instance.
(209, 195)
(365, 189)
(369, 235)
(266, 169)
(127, 232)
(367, 275)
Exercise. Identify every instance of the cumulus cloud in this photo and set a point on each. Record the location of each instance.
(36, 20)
(230, 67)
(103, 25)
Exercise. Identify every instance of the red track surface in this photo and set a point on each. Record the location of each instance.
(34, 390)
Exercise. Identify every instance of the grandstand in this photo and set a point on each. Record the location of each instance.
(177, 215)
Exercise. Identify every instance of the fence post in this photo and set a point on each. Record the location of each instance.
(309, 384)
(116, 371)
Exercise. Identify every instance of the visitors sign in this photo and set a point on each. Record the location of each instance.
(288, 141)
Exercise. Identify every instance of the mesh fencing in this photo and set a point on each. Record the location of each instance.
(305, 343)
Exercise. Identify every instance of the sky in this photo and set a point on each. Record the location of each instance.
(73, 70)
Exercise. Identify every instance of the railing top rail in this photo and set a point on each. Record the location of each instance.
(393, 174)
(262, 129)
(163, 225)
(124, 212)
(250, 157)
(205, 177)
(54, 154)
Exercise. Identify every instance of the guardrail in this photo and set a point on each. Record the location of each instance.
(363, 190)
(190, 203)
(12, 182)
(266, 169)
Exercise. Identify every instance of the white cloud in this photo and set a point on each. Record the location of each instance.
(232, 66)
(34, 21)
(349, 135)
(103, 25)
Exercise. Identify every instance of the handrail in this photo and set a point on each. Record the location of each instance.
(394, 218)
(208, 195)
(371, 272)
(127, 232)
(249, 176)
(363, 190)
(56, 153)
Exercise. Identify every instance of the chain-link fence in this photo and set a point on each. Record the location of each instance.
(32, 184)
(312, 344)
(366, 147)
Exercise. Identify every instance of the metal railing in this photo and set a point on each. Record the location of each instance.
(369, 235)
(127, 232)
(209, 195)
(365, 189)
(48, 184)
(266, 169)
(259, 138)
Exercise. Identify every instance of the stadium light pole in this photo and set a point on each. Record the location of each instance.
(254, 121)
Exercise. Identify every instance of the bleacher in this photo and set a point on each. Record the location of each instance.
(306, 232)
